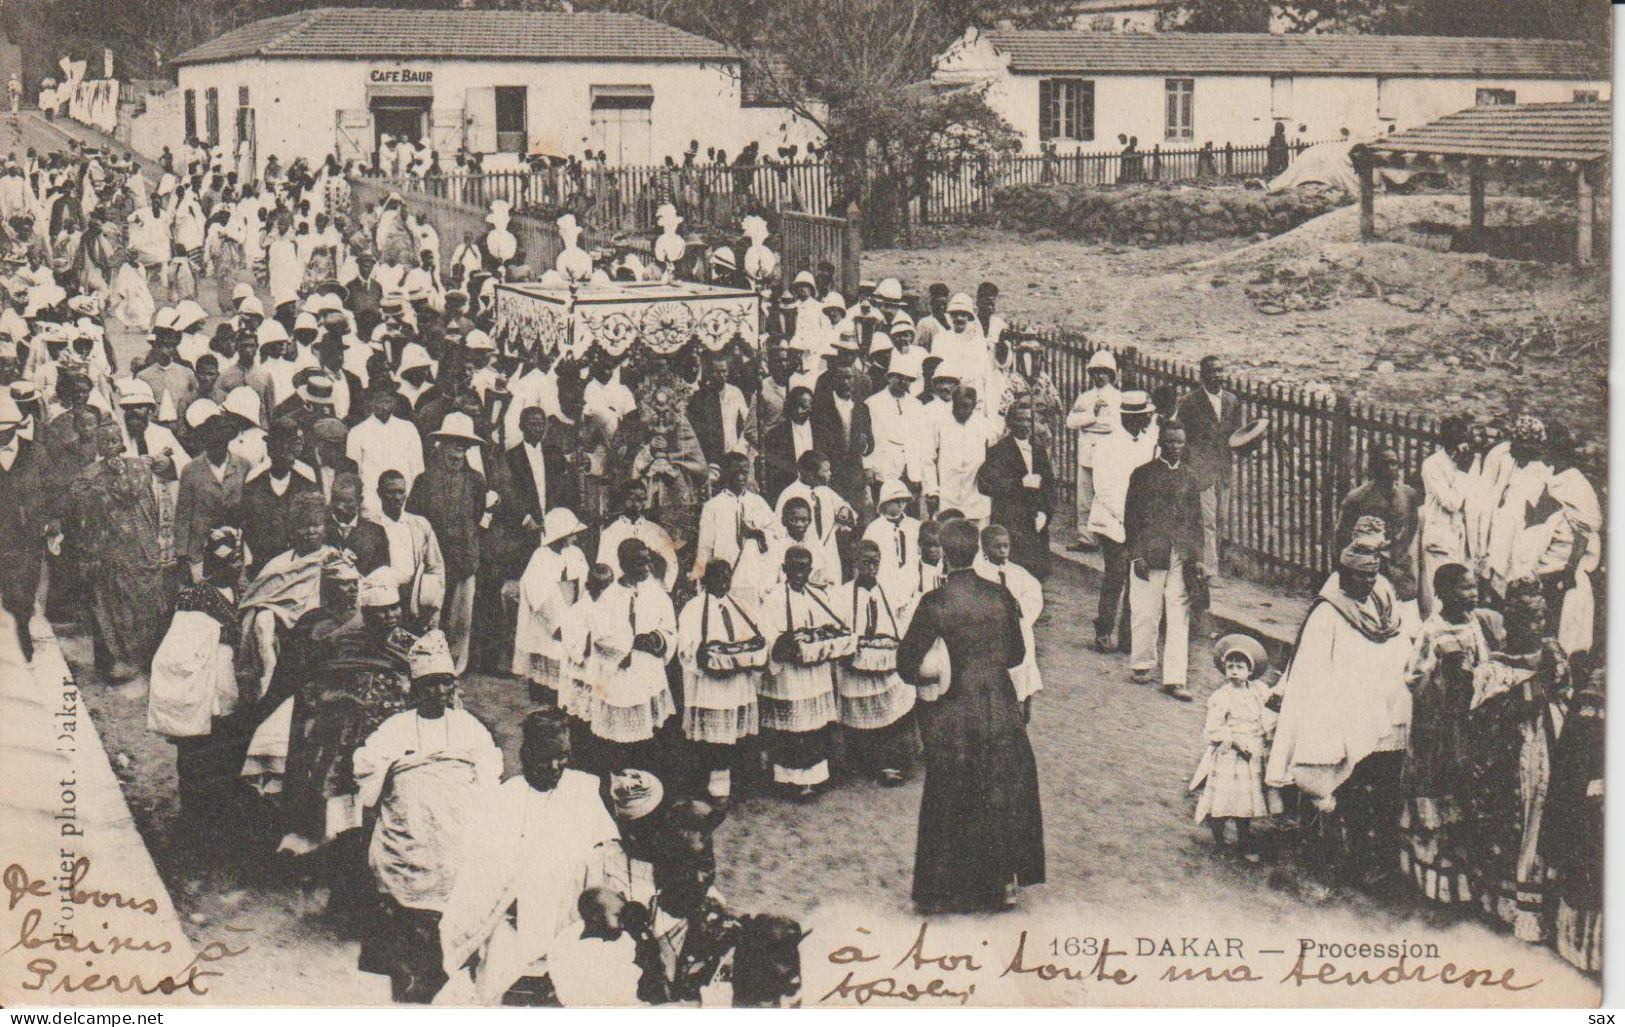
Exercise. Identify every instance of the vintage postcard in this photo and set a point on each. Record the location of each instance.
(821, 503)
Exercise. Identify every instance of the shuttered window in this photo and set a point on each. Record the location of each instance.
(191, 114)
(1066, 109)
(1181, 108)
(211, 115)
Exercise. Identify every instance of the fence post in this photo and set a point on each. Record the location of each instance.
(852, 249)
(1129, 372)
(1229, 159)
(1337, 483)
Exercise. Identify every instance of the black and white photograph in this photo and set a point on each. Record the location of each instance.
(888, 504)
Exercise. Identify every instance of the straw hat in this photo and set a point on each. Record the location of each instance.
(458, 426)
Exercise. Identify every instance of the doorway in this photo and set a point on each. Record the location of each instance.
(511, 121)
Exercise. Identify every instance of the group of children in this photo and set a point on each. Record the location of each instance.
(790, 636)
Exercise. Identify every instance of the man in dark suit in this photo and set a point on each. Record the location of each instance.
(1018, 477)
(784, 443)
(1162, 537)
(840, 426)
(25, 517)
(271, 490)
(1211, 414)
(347, 530)
(529, 498)
(981, 827)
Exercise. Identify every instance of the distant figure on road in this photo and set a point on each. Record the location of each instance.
(14, 92)
(981, 830)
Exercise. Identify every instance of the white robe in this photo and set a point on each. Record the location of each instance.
(529, 850)
(1028, 593)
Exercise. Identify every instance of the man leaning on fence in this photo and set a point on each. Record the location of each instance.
(1210, 415)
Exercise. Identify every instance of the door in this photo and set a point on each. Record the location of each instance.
(353, 135)
(446, 133)
(481, 109)
(247, 137)
(622, 124)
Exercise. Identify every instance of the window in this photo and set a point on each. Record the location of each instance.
(1496, 97)
(1587, 96)
(242, 96)
(191, 114)
(1066, 109)
(1181, 108)
(211, 116)
(1281, 96)
(1385, 100)
(510, 101)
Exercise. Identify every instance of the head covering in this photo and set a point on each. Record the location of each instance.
(251, 305)
(1528, 428)
(906, 364)
(316, 388)
(724, 258)
(242, 401)
(1135, 401)
(893, 488)
(329, 429)
(430, 656)
(306, 322)
(201, 411)
(189, 314)
(805, 278)
(240, 292)
(136, 393)
(378, 588)
(339, 566)
(269, 331)
(457, 425)
(559, 523)
(902, 323)
(635, 793)
(1102, 360)
(223, 542)
(1247, 646)
(1356, 557)
(889, 289)
(479, 340)
(414, 356)
(962, 304)
(834, 301)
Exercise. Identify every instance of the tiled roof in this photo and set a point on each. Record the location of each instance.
(1531, 131)
(1265, 53)
(330, 32)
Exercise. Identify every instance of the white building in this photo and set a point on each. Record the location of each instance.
(1081, 90)
(334, 80)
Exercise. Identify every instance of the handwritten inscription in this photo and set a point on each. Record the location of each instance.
(64, 962)
(931, 970)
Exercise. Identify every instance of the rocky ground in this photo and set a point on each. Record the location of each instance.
(1396, 322)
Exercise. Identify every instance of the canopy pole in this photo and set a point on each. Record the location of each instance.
(1587, 214)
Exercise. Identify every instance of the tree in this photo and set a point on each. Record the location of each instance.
(1217, 16)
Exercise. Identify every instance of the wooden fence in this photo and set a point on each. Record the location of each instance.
(962, 189)
(625, 199)
(1281, 512)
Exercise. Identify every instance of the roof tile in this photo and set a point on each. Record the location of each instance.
(329, 32)
(1532, 131)
(1265, 53)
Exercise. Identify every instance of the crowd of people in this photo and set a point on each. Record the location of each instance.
(713, 573)
(305, 525)
(1439, 718)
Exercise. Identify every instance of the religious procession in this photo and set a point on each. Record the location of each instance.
(729, 538)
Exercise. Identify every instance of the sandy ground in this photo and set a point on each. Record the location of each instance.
(1455, 329)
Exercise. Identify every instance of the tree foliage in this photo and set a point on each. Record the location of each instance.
(1550, 19)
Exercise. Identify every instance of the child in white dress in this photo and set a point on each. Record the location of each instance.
(1241, 718)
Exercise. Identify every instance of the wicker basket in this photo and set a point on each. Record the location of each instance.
(875, 654)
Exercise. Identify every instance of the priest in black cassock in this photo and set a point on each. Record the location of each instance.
(981, 831)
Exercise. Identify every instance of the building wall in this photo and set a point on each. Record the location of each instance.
(1242, 109)
(298, 103)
